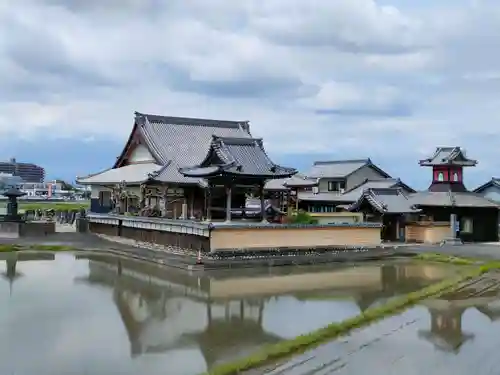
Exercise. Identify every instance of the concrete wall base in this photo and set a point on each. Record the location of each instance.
(26, 229)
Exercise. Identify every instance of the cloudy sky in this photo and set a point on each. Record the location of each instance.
(317, 79)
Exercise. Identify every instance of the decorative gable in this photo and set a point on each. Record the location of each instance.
(140, 154)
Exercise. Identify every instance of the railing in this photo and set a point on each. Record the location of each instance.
(152, 223)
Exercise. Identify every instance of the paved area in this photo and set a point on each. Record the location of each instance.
(482, 251)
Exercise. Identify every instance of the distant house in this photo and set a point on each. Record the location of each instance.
(342, 182)
(490, 190)
(283, 192)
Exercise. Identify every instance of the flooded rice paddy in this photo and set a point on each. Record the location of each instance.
(98, 314)
(458, 334)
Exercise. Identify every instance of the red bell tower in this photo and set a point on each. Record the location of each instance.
(447, 169)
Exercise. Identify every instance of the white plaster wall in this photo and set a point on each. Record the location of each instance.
(95, 190)
(140, 154)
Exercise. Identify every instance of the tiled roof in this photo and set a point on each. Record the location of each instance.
(180, 141)
(297, 180)
(357, 191)
(493, 182)
(336, 168)
(449, 199)
(301, 181)
(333, 197)
(354, 194)
(133, 173)
(170, 173)
(186, 141)
(237, 156)
(448, 156)
(386, 200)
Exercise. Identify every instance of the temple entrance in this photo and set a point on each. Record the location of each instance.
(390, 228)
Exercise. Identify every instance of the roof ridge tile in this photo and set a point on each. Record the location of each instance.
(193, 121)
(342, 161)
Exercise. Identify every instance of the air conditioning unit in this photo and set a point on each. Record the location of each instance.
(315, 190)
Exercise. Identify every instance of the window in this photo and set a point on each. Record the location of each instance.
(455, 176)
(440, 176)
(467, 226)
(104, 198)
(336, 185)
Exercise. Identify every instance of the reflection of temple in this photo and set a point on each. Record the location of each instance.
(491, 310)
(395, 280)
(11, 273)
(380, 283)
(446, 329)
(221, 312)
(158, 319)
(446, 313)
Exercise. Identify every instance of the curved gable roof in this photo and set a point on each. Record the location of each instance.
(181, 140)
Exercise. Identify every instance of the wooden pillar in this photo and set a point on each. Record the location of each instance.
(229, 192)
(208, 202)
(261, 313)
(164, 193)
(191, 208)
(398, 219)
(242, 310)
(262, 203)
(209, 312)
(297, 200)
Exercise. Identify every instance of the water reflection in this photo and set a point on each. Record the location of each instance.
(457, 333)
(11, 273)
(176, 319)
(224, 312)
(446, 313)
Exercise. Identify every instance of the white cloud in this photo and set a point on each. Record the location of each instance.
(412, 76)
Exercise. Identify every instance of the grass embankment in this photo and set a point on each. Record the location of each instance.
(450, 259)
(56, 206)
(7, 248)
(285, 349)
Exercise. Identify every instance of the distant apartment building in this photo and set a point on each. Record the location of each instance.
(28, 172)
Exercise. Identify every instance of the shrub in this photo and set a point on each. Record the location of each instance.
(302, 217)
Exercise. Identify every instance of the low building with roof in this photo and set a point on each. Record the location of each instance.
(181, 181)
(476, 216)
(390, 206)
(342, 182)
(428, 216)
(284, 192)
(490, 190)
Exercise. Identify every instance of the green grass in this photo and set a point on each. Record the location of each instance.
(57, 206)
(6, 248)
(459, 261)
(285, 349)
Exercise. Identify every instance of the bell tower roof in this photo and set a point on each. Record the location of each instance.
(448, 156)
(447, 168)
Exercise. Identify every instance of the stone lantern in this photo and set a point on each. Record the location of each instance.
(12, 207)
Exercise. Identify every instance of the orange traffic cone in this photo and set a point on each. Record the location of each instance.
(198, 258)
